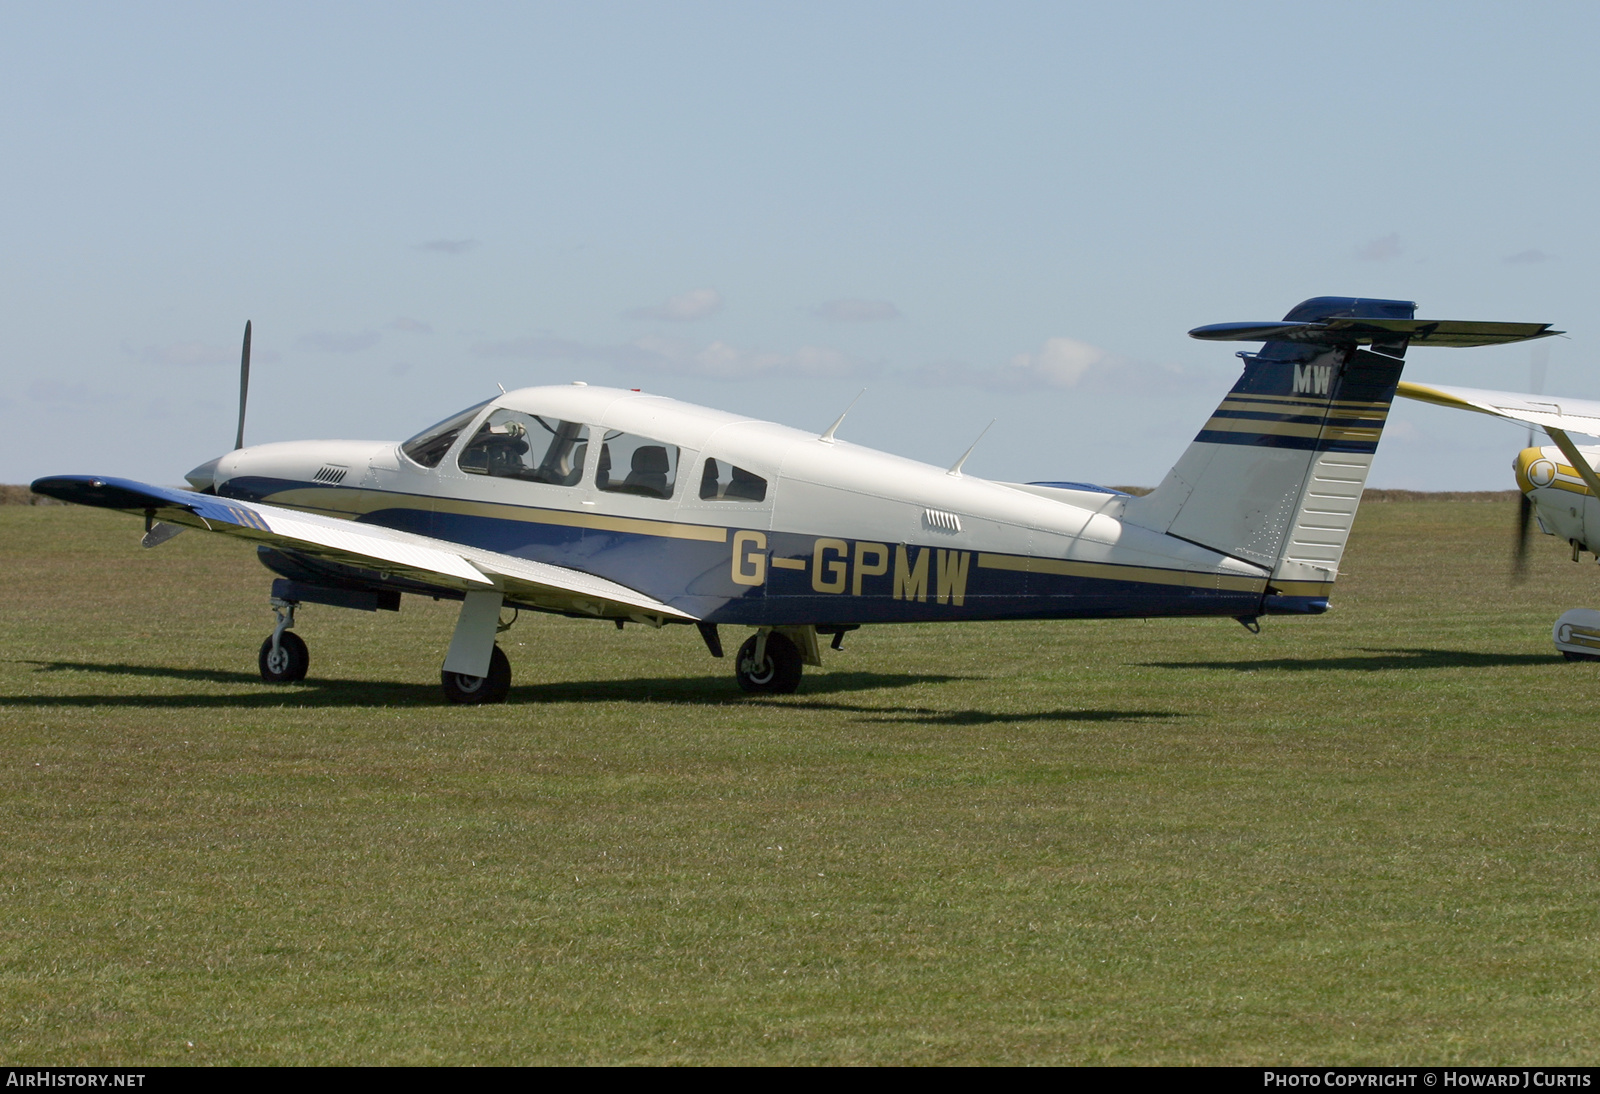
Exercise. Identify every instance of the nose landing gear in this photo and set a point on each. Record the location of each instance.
(284, 658)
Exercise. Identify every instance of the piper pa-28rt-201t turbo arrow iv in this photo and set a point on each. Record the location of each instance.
(608, 504)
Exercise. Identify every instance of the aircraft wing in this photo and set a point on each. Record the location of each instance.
(368, 546)
(1544, 411)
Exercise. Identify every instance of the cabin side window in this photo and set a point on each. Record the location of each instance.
(631, 464)
(512, 444)
(722, 481)
(428, 447)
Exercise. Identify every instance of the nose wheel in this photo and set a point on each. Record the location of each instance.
(461, 688)
(284, 658)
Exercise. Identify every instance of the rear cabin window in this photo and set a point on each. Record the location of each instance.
(428, 447)
(512, 444)
(722, 481)
(631, 464)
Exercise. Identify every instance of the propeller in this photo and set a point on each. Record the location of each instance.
(244, 384)
(1538, 364)
(1519, 556)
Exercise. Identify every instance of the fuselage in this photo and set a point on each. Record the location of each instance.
(735, 520)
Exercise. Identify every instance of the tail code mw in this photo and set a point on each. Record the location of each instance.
(1312, 379)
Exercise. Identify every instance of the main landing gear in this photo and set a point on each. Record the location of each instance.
(768, 664)
(771, 660)
(461, 688)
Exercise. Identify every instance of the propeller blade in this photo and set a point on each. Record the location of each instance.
(1519, 557)
(244, 384)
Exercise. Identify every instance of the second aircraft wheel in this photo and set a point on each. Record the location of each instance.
(778, 674)
(289, 664)
(460, 688)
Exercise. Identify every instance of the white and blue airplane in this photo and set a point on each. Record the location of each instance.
(619, 505)
(1560, 489)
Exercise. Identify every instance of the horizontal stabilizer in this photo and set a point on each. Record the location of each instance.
(1365, 332)
(1546, 412)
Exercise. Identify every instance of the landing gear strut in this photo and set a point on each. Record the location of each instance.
(284, 658)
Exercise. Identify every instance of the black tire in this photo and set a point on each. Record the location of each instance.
(291, 662)
(1571, 656)
(460, 688)
(778, 675)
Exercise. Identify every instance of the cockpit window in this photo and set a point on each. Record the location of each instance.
(515, 445)
(722, 481)
(637, 465)
(428, 447)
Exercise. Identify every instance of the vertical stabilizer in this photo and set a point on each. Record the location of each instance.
(1276, 474)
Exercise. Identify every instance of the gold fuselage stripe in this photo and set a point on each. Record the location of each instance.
(1111, 571)
(371, 501)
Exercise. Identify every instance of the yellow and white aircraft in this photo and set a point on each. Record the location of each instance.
(608, 504)
(1558, 483)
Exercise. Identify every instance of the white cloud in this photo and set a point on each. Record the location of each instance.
(683, 308)
(448, 246)
(336, 342)
(1059, 363)
(1381, 249)
(852, 310)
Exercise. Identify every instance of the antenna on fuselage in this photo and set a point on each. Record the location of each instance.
(244, 384)
(827, 438)
(956, 468)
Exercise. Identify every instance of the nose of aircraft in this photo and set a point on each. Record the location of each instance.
(204, 477)
(1534, 469)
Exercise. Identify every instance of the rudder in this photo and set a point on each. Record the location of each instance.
(1276, 474)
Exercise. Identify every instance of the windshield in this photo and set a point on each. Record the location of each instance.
(428, 447)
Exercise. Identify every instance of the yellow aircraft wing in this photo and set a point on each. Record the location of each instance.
(1544, 411)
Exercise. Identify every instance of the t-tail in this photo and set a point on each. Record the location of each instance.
(1275, 476)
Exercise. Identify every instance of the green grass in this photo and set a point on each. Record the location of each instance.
(1369, 837)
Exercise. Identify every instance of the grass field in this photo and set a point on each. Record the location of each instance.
(1368, 837)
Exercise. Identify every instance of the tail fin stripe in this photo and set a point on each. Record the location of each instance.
(1353, 421)
(1316, 443)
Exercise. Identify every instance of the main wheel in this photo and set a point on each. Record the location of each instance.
(460, 688)
(778, 674)
(289, 664)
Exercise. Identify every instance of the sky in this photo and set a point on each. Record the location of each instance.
(1009, 213)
